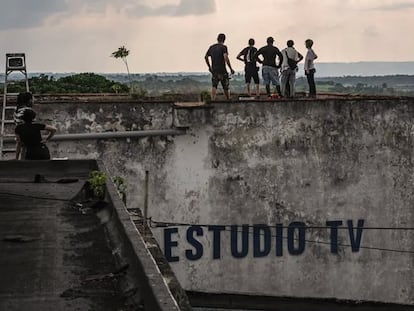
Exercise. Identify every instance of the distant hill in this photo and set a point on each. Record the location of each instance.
(323, 70)
(346, 69)
(364, 78)
(363, 69)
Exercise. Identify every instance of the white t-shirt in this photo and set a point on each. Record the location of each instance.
(310, 57)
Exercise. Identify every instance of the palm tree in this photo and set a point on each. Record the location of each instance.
(122, 53)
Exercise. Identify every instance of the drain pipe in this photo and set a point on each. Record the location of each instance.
(144, 220)
(109, 135)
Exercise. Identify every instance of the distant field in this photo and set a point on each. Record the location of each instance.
(196, 83)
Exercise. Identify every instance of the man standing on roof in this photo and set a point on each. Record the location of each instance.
(247, 55)
(219, 58)
(270, 70)
(289, 68)
(310, 67)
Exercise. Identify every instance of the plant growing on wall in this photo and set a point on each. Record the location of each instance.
(121, 187)
(139, 93)
(97, 181)
(205, 96)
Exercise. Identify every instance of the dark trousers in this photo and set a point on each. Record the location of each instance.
(311, 81)
(37, 152)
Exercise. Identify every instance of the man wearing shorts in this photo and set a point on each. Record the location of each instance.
(247, 55)
(219, 58)
(270, 70)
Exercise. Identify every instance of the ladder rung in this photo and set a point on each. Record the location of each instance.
(10, 107)
(9, 135)
(8, 121)
(5, 150)
(12, 94)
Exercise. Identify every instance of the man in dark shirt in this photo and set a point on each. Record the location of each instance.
(270, 70)
(247, 55)
(219, 58)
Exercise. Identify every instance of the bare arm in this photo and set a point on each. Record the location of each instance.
(256, 57)
(208, 63)
(18, 147)
(51, 130)
(226, 58)
(239, 57)
(280, 56)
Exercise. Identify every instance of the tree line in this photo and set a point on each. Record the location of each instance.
(77, 83)
(155, 85)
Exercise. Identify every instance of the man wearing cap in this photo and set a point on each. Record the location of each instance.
(270, 70)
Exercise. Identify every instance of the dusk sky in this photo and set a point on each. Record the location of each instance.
(173, 35)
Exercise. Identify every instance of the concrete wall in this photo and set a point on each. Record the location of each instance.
(288, 163)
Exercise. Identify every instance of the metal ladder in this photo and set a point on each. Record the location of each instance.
(14, 62)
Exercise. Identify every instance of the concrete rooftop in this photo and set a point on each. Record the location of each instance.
(58, 255)
(53, 256)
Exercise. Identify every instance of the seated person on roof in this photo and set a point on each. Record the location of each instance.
(30, 135)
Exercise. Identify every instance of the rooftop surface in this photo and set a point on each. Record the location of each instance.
(60, 250)
(54, 256)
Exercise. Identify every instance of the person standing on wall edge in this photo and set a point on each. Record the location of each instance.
(310, 67)
(219, 58)
(291, 58)
(250, 67)
(270, 70)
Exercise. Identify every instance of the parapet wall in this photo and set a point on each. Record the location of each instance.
(323, 188)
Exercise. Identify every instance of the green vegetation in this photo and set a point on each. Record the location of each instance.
(158, 85)
(78, 83)
(399, 85)
(97, 181)
(161, 84)
(122, 53)
(121, 187)
(179, 86)
(205, 97)
(139, 93)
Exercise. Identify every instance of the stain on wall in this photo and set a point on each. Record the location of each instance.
(268, 163)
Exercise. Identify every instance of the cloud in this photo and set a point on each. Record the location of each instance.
(399, 6)
(183, 8)
(30, 13)
(196, 7)
(24, 14)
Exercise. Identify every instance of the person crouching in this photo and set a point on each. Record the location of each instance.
(29, 134)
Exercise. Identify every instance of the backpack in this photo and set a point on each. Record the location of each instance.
(249, 56)
(291, 62)
(18, 114)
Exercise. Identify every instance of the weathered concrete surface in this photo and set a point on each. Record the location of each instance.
(50, 252)
(269, 163)
(60, 252)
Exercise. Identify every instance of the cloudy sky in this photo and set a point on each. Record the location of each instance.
(173, 35)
